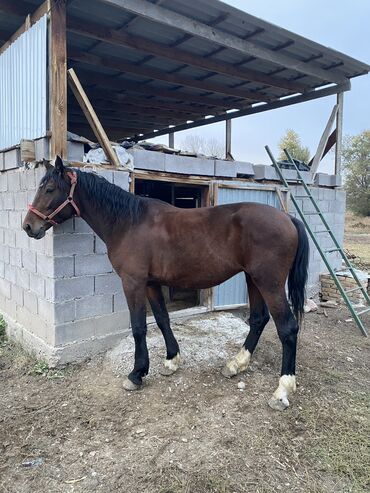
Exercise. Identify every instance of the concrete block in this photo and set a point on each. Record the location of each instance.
(8, 201)
(121, 179)
(5, 289)
(9, 237)
(55, 267)
(27, 178)
(14, 181)
(21, 203)
(15, 219)
(4, 219)
(30, 302)
(10, 273)
(225, 168)
(75, 151)
(108, 283)
(12, 159)
(244, 168)
(22, 241)
(263, 172)
(93, 306)
(72, 288)
(10, 308)
(66, 227)
(1, 161)
(65, 312)
(17, 295)
(73, 244)
(3, 181)
(2, 269)
(92, 264)
(22, 278)
(42, 148)
(113, 323)
(325, 180)
(37, 284)
(81, 226)
(15, 257)
(4, 254)
(73, 332)
(149, 160)
(100, 246)
(46, 311)
(188, 165)
(119, 302)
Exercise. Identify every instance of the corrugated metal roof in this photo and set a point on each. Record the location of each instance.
(116, 69)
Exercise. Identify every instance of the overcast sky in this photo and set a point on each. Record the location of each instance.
(342, 25)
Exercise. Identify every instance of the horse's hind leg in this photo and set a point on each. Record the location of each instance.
(287, 327)
(259, 316)
(158, 305)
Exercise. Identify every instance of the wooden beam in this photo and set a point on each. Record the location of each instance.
(198, 29)
(331, 141)
(121, 84)
(58, 79)
(339, 134)
(121, 65)
(107, 119)
(228, 154)
(171, 140)
(121, 38)
(320, 93)
(323, 141)
(30, 20)
(92, 118)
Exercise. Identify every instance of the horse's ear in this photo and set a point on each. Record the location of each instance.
(47, 164)
(59, 166)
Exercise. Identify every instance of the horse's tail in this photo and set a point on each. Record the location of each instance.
(299, 271)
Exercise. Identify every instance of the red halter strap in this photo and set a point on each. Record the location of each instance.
(73, 176)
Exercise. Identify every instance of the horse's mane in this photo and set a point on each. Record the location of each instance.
(115, 203)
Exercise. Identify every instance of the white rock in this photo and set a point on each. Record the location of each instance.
(310, 306)
(241, 385)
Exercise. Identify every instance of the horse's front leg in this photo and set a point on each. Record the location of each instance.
(136, 299)
(158, 305)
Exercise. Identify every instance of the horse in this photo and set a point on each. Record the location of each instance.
(151, 244)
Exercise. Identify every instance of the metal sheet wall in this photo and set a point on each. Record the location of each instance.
(234, 290)
(23, 87)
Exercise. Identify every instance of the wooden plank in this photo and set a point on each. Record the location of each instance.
(198, 29)
(320, 93)
(58, 79)
(28, 154)
(339, 134)
(323, 141)
(171, 140)
(92, 118)
(331, 141)
(121, 84)
(121, 38)
(29, 21)
(151, 73)
(228, 154)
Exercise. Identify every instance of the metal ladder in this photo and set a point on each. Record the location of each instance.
(326, 230)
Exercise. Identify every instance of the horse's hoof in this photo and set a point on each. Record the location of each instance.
(170, 366)
(278, 404)
(228, 372)
(128, 385)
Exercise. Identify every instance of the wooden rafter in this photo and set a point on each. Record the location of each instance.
(121, 65)
(169, 18)
(120, 38)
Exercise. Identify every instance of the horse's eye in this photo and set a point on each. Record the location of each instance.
(49, 190)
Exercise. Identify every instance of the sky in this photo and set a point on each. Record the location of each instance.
(342, 25)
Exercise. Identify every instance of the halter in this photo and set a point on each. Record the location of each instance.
(69, 200)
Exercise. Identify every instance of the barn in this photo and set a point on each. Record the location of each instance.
(149, 68)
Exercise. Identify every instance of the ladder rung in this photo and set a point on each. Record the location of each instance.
(354, 289)
(302, 196)
(312, 213)
(322, 231)
(363, 311)
(332, 250)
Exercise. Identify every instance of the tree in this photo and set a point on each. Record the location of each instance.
(200, 145)
(356, 165)
(292, 143)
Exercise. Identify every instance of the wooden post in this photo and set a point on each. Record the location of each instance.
(92, 117)
(339, 123)
(58, 79)
(323, 141)
(171, 140)
(228, 140)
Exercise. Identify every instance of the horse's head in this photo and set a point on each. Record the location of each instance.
(53, 202)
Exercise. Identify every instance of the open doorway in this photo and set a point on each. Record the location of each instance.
(180, 195)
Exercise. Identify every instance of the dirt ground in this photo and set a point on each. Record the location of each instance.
(77, 430)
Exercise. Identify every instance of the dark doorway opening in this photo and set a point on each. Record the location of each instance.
(179, 195)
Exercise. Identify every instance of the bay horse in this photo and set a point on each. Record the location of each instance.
(151, 243)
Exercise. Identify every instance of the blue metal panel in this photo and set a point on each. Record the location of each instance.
(23, 84)
(233, 291)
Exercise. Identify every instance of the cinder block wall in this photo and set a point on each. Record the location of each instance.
(59, 295)
(332, 203)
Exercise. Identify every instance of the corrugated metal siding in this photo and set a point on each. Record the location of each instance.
(23, 79)
(234, 290)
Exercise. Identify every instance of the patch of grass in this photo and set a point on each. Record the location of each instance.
(41, 368)
(2, 330)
